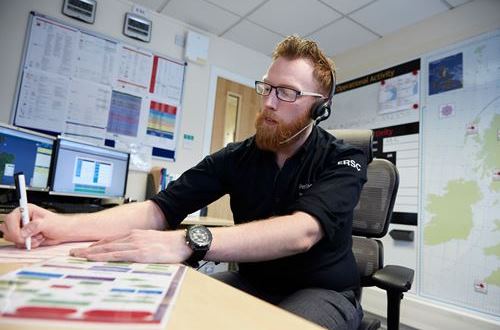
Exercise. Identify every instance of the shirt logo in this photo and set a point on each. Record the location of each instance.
(303, 187)
(351, 163)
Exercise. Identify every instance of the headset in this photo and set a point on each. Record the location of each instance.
(320, 110)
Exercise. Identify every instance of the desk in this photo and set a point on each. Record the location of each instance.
(207, 221)
(205, 303)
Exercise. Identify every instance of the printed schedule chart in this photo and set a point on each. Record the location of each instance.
(67, 289)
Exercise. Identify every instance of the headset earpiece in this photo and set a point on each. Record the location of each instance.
(321, 110)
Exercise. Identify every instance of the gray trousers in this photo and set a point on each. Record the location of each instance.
(327, 308)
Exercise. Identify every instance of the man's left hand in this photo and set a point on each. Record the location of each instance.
(145, 246)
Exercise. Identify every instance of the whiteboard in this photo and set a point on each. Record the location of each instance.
(388, 102)
(88, 86)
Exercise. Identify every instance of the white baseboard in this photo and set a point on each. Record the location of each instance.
(420, 313)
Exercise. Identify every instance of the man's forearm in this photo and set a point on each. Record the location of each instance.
(115, 221)
(266, 239)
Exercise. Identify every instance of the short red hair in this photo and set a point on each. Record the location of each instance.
(294, 47)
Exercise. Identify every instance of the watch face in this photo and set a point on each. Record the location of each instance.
(200, 236)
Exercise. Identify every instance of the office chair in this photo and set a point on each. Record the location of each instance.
(371, 220)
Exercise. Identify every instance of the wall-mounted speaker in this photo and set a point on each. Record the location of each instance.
(137, 27)
(83, 10)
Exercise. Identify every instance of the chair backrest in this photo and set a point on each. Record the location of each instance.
(373, 213)
(372, 216)
(359, 138)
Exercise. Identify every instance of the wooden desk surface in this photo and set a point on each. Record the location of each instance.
(205, 303)
(207, 221)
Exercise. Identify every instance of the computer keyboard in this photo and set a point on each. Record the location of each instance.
(62, 207)
(7, 208)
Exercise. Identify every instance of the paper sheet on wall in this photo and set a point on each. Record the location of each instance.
(43, 100)
(97, 60)
(162, 122)
(88, 109)
(167, 79)
(399, 93)
(54, 49)
(134, 70)
(102, 294)
(127, 122)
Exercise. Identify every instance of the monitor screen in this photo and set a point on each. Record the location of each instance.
(82, 169)
(24, 151)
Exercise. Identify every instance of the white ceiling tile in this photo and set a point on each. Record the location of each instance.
(239, 7)
(201, 14)
(293, 16)
(253, 36)
(385, 16)
(154, 5)
(341, 36)
(346, 6)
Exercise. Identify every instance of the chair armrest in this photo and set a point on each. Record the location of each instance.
(395, 278)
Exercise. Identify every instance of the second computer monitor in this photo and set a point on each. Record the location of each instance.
(81, 169)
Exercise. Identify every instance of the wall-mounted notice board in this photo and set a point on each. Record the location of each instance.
(83, 84)
(388, 102)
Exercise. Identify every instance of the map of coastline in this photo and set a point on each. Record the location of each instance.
(460, 182)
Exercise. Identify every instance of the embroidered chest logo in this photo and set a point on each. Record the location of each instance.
(303, 187)
(351, 163)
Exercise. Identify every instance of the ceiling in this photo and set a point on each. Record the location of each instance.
(338, 25)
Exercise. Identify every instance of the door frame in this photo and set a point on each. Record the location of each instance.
(215, 73)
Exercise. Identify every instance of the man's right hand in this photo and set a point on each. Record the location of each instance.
(45, 227)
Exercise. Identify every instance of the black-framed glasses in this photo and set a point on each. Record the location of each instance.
(286, 94)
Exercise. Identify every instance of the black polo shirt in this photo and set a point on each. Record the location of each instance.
(324, 179)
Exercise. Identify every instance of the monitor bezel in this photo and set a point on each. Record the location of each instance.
(36, 134)
(54, 170)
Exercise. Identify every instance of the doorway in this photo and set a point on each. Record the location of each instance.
(235, 108)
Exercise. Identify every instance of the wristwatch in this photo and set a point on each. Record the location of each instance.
(198, 238)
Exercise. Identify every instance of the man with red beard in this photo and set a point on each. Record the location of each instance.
(293, 188)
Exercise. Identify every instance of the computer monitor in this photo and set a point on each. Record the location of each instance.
(82, 169)
(25, 151)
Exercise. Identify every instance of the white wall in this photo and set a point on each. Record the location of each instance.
(109, 21)
(412, 42)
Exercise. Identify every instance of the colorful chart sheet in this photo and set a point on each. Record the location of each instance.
(67, 289)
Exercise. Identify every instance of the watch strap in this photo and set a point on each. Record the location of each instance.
(195, 258)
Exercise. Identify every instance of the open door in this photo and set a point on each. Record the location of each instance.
(236, 106)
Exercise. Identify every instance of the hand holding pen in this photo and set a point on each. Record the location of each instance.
(23, 203)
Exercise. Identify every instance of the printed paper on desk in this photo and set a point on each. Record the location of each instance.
(104, 294)
(10, 254)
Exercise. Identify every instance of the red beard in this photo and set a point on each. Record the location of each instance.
(268, 137)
